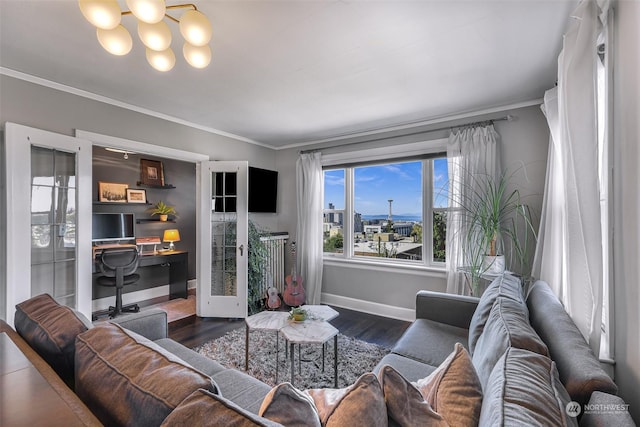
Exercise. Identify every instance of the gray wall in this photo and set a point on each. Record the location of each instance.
(524, 144)
(626, 129)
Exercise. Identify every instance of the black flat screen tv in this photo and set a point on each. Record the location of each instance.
(109, 227)
(263, 190)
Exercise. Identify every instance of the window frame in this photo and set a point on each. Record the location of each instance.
(426, 152)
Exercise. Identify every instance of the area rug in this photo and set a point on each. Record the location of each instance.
(355, 357)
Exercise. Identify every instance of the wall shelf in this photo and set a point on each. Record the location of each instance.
(161, 187)
(141, 220)
(121, 204)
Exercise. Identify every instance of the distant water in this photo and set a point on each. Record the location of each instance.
(396, 218)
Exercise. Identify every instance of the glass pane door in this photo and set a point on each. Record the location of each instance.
(222, 275)
(223, 234)
(53, 224)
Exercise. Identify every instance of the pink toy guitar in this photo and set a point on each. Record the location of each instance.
(273, 300)
(294, 295)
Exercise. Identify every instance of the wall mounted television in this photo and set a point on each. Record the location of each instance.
(109, 227)
(263, 190)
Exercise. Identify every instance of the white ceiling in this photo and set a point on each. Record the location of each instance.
(290, 72)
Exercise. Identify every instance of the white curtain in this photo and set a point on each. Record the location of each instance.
(470, 152)
(569, 251)
(309, 196)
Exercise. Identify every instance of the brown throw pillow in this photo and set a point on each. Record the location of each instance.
(203, 408)
(51, 330)
(125, 379)
(361, 404)
(289, 406)
(405, 404)
(450, 395)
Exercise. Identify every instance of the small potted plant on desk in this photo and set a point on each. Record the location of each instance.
(163, 210)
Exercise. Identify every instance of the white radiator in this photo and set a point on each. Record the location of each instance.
(274, 267)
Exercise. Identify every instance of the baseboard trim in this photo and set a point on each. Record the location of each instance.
(130, 297)
(369, 307)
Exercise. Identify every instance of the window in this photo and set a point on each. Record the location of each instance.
(398, 211)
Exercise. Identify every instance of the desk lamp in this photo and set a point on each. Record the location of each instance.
(171, 236)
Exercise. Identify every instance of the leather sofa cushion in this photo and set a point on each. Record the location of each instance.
(125, 379)
(524, 389)
(418, 340)
(579, 369)
(506, 286)
(51, 330)
(507, 326)
(202, 408)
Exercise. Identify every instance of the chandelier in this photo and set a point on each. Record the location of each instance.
(153, 31)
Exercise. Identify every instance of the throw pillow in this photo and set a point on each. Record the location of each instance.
(507, 326)
(361, 404)
(289, 406)
(51, 330)
(450, 395)
(506, 286)
(203, 408)
(125, 379)
(524, 389)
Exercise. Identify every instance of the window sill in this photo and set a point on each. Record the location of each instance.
(363, 264)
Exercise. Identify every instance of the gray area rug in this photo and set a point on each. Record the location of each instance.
(355, 357)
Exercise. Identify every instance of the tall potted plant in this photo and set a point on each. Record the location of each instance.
(494, 218)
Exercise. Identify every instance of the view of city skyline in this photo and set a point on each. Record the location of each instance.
(375, 185)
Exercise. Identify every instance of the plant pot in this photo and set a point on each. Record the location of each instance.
(493, 264)
(299, 317)
(164, 217)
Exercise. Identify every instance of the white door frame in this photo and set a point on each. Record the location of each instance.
(18, 142)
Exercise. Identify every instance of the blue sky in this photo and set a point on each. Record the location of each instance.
(374, 185)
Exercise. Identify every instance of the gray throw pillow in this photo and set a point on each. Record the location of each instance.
(524, 390)
(507, 286)
(507, 326)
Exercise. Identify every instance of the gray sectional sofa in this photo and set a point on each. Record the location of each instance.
(506, 331)
(508, 358)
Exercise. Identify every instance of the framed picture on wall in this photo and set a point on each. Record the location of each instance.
(136, 195)
(151, 172)
(112, 192)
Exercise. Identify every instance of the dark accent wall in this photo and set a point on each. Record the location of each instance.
(112, 167)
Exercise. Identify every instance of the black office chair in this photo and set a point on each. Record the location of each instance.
(118, 266)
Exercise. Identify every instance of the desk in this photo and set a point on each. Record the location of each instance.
(176, 262)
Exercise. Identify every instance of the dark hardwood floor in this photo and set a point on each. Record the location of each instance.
(367, 327)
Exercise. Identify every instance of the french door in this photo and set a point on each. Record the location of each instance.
(48, 179)
(222, 251)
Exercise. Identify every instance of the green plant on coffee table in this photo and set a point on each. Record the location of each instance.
(298, 314)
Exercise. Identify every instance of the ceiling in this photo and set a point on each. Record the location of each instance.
(291, 72)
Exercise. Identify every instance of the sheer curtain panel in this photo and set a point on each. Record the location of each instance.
(309, 195)
(571, 220)
(471, 151)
